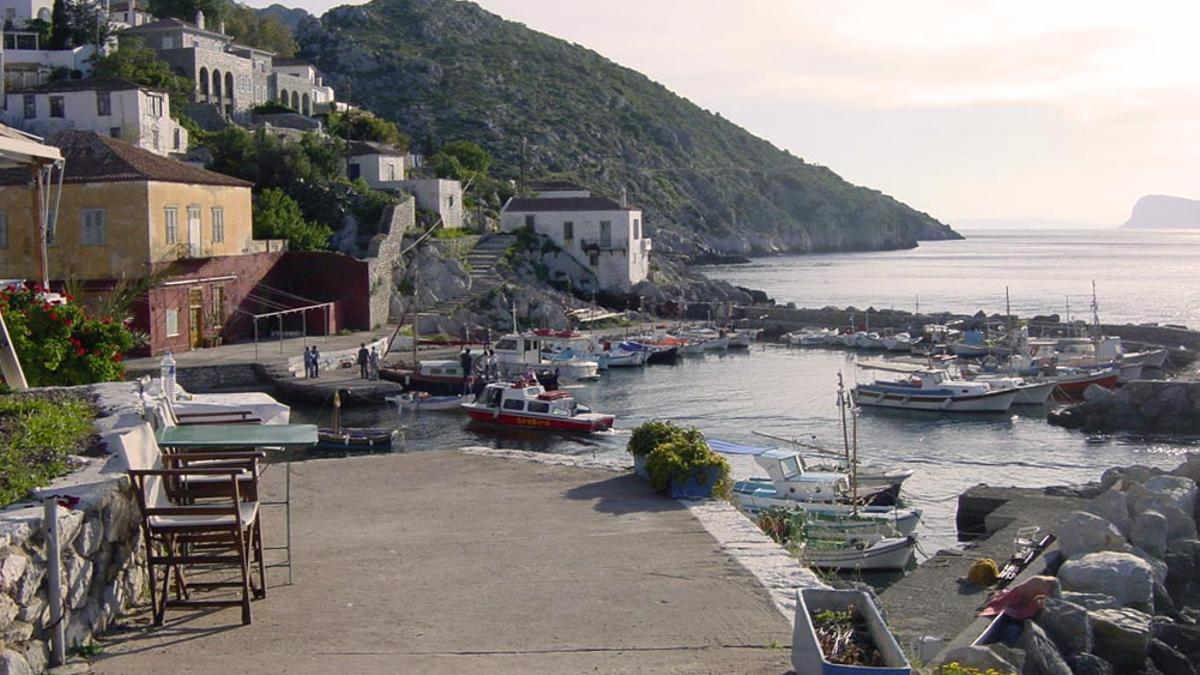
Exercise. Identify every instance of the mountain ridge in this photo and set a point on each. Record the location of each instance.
(546, 108)
(1163, 212)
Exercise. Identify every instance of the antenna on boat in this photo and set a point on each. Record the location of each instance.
(514, 316)
(1008, 309)
(844, 402)
(1095, 313)
(416, 320)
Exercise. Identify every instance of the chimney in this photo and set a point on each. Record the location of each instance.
(199, 19)
(623, 204)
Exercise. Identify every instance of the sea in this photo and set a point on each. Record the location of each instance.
(792, 392)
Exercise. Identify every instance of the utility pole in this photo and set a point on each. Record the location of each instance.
(521, 175)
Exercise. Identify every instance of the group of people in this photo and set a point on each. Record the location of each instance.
(488, 365)
(312, 363)
(368, 362)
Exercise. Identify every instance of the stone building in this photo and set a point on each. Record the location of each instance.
(440, 195)
(602, 235)
(136, 114)
(381, 166)
(298, 85)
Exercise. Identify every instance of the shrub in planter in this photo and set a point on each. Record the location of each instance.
(650, 435)
(685, 466)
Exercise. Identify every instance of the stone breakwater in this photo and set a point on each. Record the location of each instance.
(1143, 406)
(1127, 588)
(99, 544)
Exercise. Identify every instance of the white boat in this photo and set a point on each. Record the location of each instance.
(788, 477)
(850, 339)
(757, 495)
(900, 342)
(621, 358)
(1150, 358)
(572, 367)
(1028, 392)
(418, 400)
(742, 338)
(866, 340)
(517, 353)
(872, 552)
(923, 388)
(815, 339)
(525, 404)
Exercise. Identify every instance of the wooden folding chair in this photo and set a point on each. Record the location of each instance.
(182, 528)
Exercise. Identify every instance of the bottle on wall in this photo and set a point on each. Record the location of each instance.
(167, 368)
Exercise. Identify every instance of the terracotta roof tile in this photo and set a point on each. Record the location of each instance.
(533, 204)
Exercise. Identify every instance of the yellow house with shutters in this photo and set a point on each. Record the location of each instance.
(122, 210)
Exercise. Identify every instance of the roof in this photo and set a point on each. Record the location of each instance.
(565, 204)
(555, 186)
(173, 24)
(92, 84)
(360, 148)
(285, 61)
(92, 158)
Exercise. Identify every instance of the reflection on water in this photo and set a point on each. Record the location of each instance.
(792, 393)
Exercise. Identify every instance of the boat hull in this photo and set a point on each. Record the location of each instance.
(666, 356)
(1071, 387)
(351, 438)
(886, 554)
(580, 423)
(992, 401)
(1154, 358)
(839, 518)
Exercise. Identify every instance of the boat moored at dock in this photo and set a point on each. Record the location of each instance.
(923, 388)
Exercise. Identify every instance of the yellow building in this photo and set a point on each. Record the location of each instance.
(122, 210)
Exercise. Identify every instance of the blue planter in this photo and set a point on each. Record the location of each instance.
(698, 485)
(807, 656)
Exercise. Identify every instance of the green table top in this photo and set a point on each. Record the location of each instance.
(238, 435)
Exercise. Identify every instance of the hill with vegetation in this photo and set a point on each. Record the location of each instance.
(446, 70)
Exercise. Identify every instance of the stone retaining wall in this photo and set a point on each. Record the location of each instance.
(1159, 406)
(101, 549)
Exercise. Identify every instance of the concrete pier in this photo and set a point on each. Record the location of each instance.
(455, 562)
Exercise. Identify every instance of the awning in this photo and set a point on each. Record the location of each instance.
(729, 448)
(20, 149)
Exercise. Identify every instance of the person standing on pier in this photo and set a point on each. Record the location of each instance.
(362, 360)
(316, 363)
(308, 365)
(373, 362)
(466, 362)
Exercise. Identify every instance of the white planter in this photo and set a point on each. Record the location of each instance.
(639, 466)
(806, 651)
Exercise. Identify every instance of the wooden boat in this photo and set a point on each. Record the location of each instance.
(756, 496)
(337, 437)
(922, 388)
(872, 552)
(528, 405)
(655, 354)
(420, 400)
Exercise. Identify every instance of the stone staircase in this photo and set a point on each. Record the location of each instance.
(482, 260)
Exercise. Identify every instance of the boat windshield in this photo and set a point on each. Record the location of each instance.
(790, 467)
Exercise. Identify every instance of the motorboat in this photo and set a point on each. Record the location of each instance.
(899, 342)
(518, 353)
(788, 478)
(817, 339)
(619, 357)
(655, 354)
(411, 401)
(742, 338)
(865, 340)
(528, 405)
(445, 377)
(923, 388)
(1029, 392)
(573, 366)
(872, 552)
(757, 495)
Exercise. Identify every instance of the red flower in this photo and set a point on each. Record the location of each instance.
(80, 351)
(69, 297)
(117, 358)
(67, 322)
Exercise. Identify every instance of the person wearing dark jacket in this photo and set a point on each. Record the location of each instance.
(466, 362)
(362, 360)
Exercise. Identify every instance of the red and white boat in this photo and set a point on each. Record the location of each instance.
(529, 405)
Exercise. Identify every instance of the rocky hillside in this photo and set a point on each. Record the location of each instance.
(1163, 213)
(447, 70)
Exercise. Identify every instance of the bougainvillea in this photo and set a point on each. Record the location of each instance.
(60, 344)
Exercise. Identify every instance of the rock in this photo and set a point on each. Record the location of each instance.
(1150, 533)
(32, 611)
(1097, 395)
(1091, 600)
(1163, 604)
(1112, 506)
(89, 537)
(1180, 525)
(12, 663)
(1111, 477)
(1139, 473)
(1158, 568)
(978, 657)
(1184, 639)
(8, 611)
(1125, 576)
(1190, 468)
(12, 566)
(1089, 664)
(17, 632)
(79, 580)
(1181, 491)
(37, 654)
(29, 584)
(1168, 660)
(1041, 656)
(1067, 625)
(1084, 533)
(1181, 568)
(1122, 637)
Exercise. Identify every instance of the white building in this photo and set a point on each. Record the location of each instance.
(597, 232)
(440, 195)
(299, 86)
(133, 113)
(381, 166)
(17, 12)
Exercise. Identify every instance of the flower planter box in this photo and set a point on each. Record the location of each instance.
(699, 485)
(639, 466)
(807, 656)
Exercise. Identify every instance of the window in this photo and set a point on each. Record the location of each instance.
(606, 234)
(115, 132)
(637, 228)
(154, 139)
(451, 201)
(3, 229)
(514, 404)
(218, 224)
(171, 221)
(103, 103)
(353, 171)
(539, 407)
(568, 230)
(168, 42)
(94, 227)
(57, 107)
(176, 141)
(529, 220)
(172, 322)
(218, 304)
(156, 106)
(30, 106)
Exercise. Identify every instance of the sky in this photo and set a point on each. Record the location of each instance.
(971, 110)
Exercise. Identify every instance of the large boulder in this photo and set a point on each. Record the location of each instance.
(1091, 600)
(1089, 664)
(1084, 533)
(1124, 576)
(1122, 637)
(1190, 468)
(1150, 533)
(1067, 624)
(1180, 490)
(1112, 506)
(1041, 656)
(1180, 524)
(1183, 638)
(1169, 660)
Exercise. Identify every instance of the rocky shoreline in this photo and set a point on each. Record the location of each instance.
(1147, 406)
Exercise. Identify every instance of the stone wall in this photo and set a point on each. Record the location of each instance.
(102, 552)
(383, 257)
(1144, 405)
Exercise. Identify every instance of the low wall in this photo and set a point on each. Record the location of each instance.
(102, 553)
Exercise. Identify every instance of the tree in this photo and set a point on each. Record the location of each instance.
(248, 27)
(138, 63)
(278, 216)
(214, 10)
(88, 23)
(360, 125)
(463, 161)
(60, 26)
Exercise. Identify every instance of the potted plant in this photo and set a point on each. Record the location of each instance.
(841, 632)
(646, 437)
(685, 467)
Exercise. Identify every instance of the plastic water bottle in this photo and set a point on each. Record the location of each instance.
(168, 376)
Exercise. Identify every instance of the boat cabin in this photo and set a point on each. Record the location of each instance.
(531, 398)
(787, 473)
(441, 369)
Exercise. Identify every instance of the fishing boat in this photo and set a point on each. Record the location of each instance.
(871, 552)
(517, 353)
(742, 338)
(865, 340)
(338, 437)
(900, 342)
(655, 354)
(1028, 392)
(411, 401)
(757, 495)
(924, 388)
(444, 377)
(527, 405)
(619, 357)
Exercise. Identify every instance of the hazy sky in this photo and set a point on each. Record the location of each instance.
(965, 109)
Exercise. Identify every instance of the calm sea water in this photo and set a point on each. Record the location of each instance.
(1141, 276)
(792, 392)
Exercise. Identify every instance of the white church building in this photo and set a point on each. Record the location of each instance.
(599, 233)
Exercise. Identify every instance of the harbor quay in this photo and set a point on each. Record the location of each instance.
(451, 561)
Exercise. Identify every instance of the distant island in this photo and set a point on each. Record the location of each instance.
(1163, 212)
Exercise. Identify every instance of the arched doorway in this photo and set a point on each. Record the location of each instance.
(305, 109)
(203, 82)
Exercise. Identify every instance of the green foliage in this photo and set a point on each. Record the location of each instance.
(271, 108)
(785, 526)
(250, 28)
(63, 344)
(214, 10)
(138, 63)
(956, 668)
(360, 125)
(278, 216)
(42, 28)
(36, 435)
(651, 434)
(683, 457)
(75, 23)
(462, 161)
